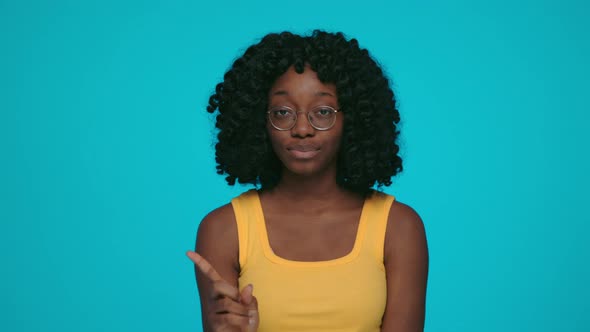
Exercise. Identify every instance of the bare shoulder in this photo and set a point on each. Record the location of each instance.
(405, 230)
(404, 216)
(406, 269)
(218, 224)
(217, 240)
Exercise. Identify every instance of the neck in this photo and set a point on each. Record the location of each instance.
(319, 187)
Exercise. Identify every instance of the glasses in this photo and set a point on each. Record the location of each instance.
(320, 118)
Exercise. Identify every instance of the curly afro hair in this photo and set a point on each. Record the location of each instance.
(369, 151)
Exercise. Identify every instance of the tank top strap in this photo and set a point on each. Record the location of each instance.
(377, 212)
(245, 208)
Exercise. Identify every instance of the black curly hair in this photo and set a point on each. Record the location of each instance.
(369, 152)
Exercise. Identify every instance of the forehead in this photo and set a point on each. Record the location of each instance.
(306, 83)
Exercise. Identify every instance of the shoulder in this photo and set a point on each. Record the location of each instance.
(217, 237)
(217, 243)
(219, 224)
(406, 269)
(405, 231)
(404, 216)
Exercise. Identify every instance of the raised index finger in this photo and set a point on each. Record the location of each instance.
(204, 266)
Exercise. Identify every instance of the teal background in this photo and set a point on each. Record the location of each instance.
(107, 161)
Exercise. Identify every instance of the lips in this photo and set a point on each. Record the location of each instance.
(303, 151)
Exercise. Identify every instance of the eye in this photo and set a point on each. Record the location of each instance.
(281, 112)
(324, 112)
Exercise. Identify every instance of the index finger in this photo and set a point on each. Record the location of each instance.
(204, 266)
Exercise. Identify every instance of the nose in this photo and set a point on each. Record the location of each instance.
(302, 127)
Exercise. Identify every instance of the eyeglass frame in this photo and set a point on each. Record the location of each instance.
(297, 116)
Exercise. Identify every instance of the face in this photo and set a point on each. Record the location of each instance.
(304, 150)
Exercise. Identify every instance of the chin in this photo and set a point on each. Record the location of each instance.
(302, 171)
(307, 168)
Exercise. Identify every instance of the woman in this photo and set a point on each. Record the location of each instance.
(311, 120)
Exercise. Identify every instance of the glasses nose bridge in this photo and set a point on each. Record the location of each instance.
(303, 117)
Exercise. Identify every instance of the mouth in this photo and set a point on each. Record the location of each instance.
(303, 151)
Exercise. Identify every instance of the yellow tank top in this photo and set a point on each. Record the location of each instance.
(344, 294)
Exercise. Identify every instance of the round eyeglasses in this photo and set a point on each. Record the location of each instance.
(320, 118)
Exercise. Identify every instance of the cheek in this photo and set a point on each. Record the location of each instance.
(336, 138)
(336, 144)
(274, 137)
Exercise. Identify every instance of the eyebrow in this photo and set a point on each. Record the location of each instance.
(317, 94)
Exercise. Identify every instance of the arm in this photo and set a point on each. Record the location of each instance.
(217, 271)
(406, 268)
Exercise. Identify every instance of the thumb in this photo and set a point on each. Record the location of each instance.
(253, 314)
(247, 298)
(253, 305)
(246, 294)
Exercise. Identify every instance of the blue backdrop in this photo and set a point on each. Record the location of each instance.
(107, 161)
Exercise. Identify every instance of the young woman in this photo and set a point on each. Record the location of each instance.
(311, 121)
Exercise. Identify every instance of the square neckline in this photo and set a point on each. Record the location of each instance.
(272, 256)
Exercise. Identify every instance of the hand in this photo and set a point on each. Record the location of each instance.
(229, 309)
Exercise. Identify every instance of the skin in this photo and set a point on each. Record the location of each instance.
(307, 204)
